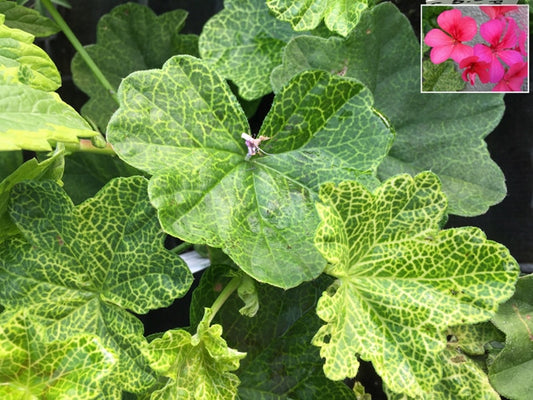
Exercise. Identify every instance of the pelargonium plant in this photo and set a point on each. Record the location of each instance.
(501, 59)
(324, 226)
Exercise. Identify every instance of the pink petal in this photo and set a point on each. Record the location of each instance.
(483, 52)
(461, 51)
(483, 74)
(440, 54)
(511, 35)
(515, 83)
(492, 30)
(467, 61)
(496, 71)
(449, 19)
(510, 57)
(501, 87)
(436, 37)
(496, 11)
(466, 29)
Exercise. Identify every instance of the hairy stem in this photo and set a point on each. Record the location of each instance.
(79, 48)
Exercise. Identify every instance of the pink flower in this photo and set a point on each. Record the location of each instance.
(513, 78)
(501, 44)
(496, 11)
(449, 45)
(474, 67)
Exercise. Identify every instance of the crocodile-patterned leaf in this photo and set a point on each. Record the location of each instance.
(244, 42)
(443, 134)
(79, 268)
(130, 38)
(280, 363)
(32, 368)
(27, 19)
(401, 282)
(49, 169)
(21, 61)
(198, 366)
(510, 373)
(182, 125)
(340, 16)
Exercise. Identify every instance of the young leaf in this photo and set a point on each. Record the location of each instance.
(511, 371)
(443, 134)
(27, 19)
(81, 267)
(49, 169)
(182, 125)
(23, 62)
(130, 38)
(244, 42)
(340, 16)
(32, 368)
(30, 119)
(198, 366)
(280, 363)
(401, 282)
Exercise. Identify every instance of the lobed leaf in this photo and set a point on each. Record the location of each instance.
(27, 19)
(280, 363)
(340, 16)
(34, 368)
(129, 38)
(243, 42)
(510, 373)
(401, 282)
(198, 366)
(23, 62)
(443, 134)
(187, 134)
(79, 268)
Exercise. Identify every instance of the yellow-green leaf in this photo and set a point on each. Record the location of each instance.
(23, 62)
(400, 281)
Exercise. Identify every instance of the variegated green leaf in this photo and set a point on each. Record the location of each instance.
(33, 368)
(444, 134)
(130, 38)
(340, 16)
(23, 62)
(401, 282)
(27, 19)
(243, 43)
(182, 125)
(80, 268)
(32, 119)
(49, 169)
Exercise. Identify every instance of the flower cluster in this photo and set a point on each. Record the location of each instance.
(502, 60)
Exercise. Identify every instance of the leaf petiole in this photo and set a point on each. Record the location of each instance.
(79, 48)
(224, 295)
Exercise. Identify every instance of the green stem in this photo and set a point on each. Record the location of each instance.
(79, 48)
(224, 295)
(180, 248)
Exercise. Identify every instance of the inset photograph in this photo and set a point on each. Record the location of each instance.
(475, 48)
